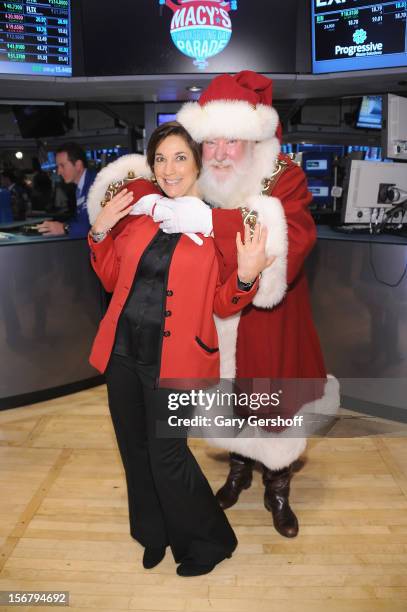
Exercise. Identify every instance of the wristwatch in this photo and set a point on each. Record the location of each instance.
(98, 236)
(66, 228)
(245, 286)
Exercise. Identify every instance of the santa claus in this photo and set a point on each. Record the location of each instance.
(247, 180)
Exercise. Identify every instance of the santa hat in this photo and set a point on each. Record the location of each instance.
(233, 107)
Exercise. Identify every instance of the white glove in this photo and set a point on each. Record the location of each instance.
(184, 215)
(152, 203)
(145, 205)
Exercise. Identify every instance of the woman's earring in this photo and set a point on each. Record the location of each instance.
(154, 180)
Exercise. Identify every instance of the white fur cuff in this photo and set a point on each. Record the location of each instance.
(116, 171)
(273, 282)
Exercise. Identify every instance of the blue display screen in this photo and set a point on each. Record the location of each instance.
(358, 35)
(370, 113)
(35, 37)
(50, 162)
(164, 117)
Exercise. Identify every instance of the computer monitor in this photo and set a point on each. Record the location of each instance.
(40, 121)
(36, 38)
(165, 117)
(394, 133)
(50, 162)
(317, 163)
(321, 190)
(370, 113)
(362, 201)
(358, 35)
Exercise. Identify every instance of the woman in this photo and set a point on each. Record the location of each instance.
(157, 334)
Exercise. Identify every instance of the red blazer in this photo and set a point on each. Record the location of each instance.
(189, 347)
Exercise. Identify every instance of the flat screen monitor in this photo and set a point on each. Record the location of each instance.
(35, 37)
(370, 113)
(319, 189)
(135, 37)
(40, 121)
(358, 34)
(317, 163)
(373, 154)
(50, 163)
(164, 117)
(361, 198)
(394, 132)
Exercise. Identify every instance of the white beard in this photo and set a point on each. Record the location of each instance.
(241, 182)
(222, 193)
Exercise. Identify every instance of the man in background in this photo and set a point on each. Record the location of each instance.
(20, 201)
(72, 166)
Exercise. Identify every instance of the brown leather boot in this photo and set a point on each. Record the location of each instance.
(239, 478)
(276, 493)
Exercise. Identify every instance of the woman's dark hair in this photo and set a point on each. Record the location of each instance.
(172, 128)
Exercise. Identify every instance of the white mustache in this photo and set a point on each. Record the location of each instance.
(215, 164)
(239, 168)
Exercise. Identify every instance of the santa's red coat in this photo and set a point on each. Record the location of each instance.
(273, 345)
(281, 341)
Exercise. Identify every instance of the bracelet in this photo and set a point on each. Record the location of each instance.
(66, 228)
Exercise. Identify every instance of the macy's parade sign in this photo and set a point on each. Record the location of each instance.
(200, 28)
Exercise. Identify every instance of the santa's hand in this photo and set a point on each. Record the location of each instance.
(251, 254)
(155, 206)
(146, 204)
(184, 215)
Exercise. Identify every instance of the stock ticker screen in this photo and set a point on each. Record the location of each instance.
(358, 35)
(35, 37)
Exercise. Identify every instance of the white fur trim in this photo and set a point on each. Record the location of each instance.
(277, 451)
(265, 158)
(227, 336)
(115, 171)
(228, 119)
(273, 282)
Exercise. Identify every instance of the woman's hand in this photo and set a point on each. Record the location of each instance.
(251, 255)
(118, 207)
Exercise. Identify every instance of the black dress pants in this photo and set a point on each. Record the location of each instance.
(170, 500)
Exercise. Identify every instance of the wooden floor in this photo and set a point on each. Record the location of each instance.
(63, 523)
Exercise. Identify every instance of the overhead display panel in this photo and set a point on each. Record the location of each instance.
(188, 36)
(35, 37)
(358, 35)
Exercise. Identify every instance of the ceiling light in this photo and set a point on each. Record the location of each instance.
(194, 88)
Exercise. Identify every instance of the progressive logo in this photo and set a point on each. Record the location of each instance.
(360, 50)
